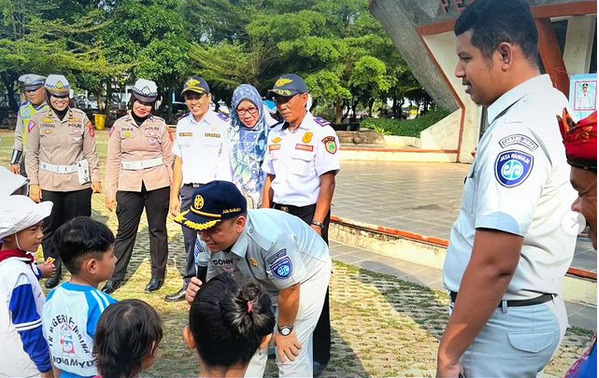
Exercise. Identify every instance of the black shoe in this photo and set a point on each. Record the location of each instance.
(176, 297)
(154, 285)
(52, 282)
(318, 368)
(111, 286)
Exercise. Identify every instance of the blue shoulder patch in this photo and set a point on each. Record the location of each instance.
(222, 116)
(321, 121)
(282, 268)
(513, 167)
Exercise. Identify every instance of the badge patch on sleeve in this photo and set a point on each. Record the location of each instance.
(276, 256)
(30, 126)
(330, 144)
(520, 139)
(282, 268)
(512, 168)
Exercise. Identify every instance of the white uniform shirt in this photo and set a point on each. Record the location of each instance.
(203, 148)
(276, 249)
(298, 158)
(519, 184)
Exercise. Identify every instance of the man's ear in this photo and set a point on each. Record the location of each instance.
(506, 52)
(188, 338)
(240, 223)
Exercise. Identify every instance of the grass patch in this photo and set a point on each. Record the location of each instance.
(404, 127)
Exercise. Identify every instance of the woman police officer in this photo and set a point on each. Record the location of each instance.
(138, 175)
(62, 163)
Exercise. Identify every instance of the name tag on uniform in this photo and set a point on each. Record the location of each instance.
(212, 135)
(185, 134)
(274, 147)
(304, 147)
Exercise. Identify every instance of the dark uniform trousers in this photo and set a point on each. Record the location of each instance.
(130, 206)
(189, 235)
(321, 341)
(67, 205)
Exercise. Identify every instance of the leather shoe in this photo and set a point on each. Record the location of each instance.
(111, 286)
(318, 368)
(154, 285)
(176, 297)
(52, 282)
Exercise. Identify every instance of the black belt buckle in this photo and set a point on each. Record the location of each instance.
(285, 208)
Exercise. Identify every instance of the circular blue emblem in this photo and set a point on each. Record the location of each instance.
(513, 167)
(282, 268)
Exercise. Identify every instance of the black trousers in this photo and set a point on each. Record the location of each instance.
(189, 235)
(67, 205)
(322, 333)
(130, 205)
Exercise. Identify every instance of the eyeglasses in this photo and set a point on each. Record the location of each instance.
(252, 111)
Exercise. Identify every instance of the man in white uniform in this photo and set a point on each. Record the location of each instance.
(277, 250)
(508, 251)
(201, 152)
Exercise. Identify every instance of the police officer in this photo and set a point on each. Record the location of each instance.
(138, 176)
(301, 164)
(508, 251)
(280, 252)
(62, 163)
(36, 101)
(202, 155)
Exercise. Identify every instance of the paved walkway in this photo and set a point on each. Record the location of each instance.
(423, 198)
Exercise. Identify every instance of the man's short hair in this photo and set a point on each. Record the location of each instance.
(496, 21)
(82, 238)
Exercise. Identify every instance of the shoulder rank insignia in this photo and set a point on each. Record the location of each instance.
(183, 116)
(321, 121)
(222, 116)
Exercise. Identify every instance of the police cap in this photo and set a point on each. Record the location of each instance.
(57, 85)
(32, 82)
(196, 84)
(288, 85)
(145, 90)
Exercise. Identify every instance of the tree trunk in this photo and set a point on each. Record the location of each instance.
(8, 79)
(338, 111)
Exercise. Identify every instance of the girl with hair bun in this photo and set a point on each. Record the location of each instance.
(228, 322)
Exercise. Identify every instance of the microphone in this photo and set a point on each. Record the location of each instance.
(202, 268)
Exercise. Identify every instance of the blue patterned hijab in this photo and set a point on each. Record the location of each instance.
(249, 146)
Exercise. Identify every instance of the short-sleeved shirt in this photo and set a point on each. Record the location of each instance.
(276, 249)
(129, 142)
(71, 315)
(298, 158)
(203, 148)
(26, 111)
(519, 184)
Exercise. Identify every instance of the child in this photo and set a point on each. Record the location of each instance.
(127, 339)
(23, 350)
(228, 322)
(73, 310)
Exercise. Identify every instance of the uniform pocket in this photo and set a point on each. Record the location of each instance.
(301, 164)
(533, 342)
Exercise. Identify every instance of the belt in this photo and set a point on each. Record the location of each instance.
(61, 169)
(142, 164)
(517, 302)
(193, 184)
(290, 208)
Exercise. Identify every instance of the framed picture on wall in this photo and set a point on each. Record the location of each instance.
(583, 94)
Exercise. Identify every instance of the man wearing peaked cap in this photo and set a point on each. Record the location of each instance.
(301, 164)
(202, 154)
(278, 250)
(33, 85)
(580, 140)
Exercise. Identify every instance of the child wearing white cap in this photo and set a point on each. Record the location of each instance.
(23, 350)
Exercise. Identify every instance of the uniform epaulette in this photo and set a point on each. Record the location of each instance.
(156, 117)
(78, 111)
(183, 116)
(322, 121)
(222, 116)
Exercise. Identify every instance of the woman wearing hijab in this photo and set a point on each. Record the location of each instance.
(250, 125)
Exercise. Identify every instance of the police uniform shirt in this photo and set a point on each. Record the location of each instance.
(276, 249)
(26, 111)
(203, 148)
(57, 142)
(298, 158)
(519, 184)
(129, 142)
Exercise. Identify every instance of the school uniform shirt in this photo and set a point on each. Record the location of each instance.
(70, 318)
(147, 143)
(23, 350)
(519, 184)
(298, 158)
(276, 249)
(203, 148)
(65, 143)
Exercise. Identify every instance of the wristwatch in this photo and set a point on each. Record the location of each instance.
(285, 330)
(317, 224)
